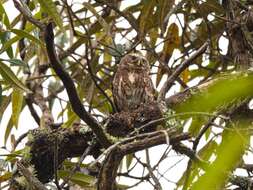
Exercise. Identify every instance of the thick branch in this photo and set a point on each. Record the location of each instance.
(76, 103)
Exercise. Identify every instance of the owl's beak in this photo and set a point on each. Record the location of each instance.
(139, 62)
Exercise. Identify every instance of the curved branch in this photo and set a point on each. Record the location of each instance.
(68, 83)
(29, 17)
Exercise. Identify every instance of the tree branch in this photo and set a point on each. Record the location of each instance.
(108, 172)
(179, 70)
(75, 102)
(29, 17)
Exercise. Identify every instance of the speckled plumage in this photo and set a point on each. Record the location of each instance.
(132, 85)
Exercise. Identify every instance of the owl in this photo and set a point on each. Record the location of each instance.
(132, 85)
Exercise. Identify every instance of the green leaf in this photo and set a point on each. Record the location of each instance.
(208, 150)
(11, 78)
(7, 45)
(78, 178)
(235, 87)
(8, 131)
(4, 104)
(69, 165)
(15, 62)
(205, 153)
(4, 16)
(210, 100)
(229, 154)
(49, 7)
(129, 159)
(196, 124)
(17, 102)
(24, 34)
(5, 37)
(14, 154)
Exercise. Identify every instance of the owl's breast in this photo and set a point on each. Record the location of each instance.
(131, 77)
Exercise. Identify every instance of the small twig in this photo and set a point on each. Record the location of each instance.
(19, 140)
(28, 16)
(32, 109)
(157, 185)
(202, 132)
(172, 11)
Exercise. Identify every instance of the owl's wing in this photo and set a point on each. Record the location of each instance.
(149, 88)
(142, 90)
(121, 90)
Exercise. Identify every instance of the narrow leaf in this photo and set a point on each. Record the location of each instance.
(4, 104)
(7, 45)
(15, 62)
(4, 38)
(129, 159)
(8, 131)
(78, 178)
(17, 102)
(11, 78)
(24, 34)
(4, 16)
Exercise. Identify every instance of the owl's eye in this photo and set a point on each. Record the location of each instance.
(134, 59)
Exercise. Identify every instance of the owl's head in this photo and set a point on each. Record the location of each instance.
(135, 60)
